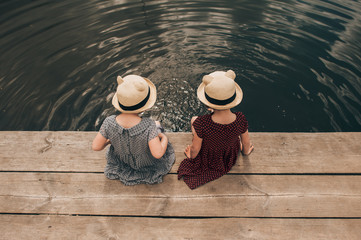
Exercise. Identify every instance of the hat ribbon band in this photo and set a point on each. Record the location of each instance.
(220, 102)
(136, 106)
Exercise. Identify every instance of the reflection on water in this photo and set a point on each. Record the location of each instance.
(297, 62)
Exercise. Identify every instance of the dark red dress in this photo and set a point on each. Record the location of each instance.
(219, 151)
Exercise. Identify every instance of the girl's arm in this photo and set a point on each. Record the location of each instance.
(158, 145)
(192, 150)
(246, 143)
(100, 142)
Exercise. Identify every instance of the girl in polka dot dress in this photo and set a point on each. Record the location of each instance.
(139, 152)
(217, 137)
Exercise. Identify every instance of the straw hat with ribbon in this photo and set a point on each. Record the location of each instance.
(134, 94)
(218, 90)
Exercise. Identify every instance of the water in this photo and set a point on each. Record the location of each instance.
(298, 62)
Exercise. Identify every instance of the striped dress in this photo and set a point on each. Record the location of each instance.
(129, 158)
(219, 151)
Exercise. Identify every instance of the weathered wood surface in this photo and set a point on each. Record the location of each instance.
(95, 227)
(274, 152)
(229, 196)
(293, 186)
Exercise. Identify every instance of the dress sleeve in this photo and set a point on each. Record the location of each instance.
(104, 128)
(198, 126)
(153, 132)
(243, 123)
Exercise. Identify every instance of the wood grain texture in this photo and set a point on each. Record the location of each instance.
(229, 196)
(95, 227)
(274, 152)
(52, 186)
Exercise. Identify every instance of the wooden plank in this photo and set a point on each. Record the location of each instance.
(49, 151)
(92, 227)
(229, 196)
(274, 153)
(53, 151)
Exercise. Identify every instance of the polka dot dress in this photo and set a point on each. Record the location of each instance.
(219, 151)
(129, 158)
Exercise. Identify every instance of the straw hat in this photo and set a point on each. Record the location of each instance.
(218, 90)
(134, 94)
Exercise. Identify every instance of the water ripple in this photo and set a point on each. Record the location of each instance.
(298, 62)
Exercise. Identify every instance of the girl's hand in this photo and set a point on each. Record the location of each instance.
(161, 135)
(250, 150)
(187, 151)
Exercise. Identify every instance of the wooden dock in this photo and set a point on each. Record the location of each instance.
(293, 186)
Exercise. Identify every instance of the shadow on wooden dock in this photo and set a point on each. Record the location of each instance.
(293, 186)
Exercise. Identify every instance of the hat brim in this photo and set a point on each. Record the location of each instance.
(149, 104)
(238, 99)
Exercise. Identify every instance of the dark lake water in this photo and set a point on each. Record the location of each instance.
(298, 62)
